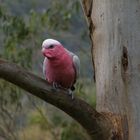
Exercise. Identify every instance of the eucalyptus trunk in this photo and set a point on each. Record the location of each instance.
(115, 32)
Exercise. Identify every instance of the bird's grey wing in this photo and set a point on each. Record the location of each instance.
(44, 67)
(76, 63)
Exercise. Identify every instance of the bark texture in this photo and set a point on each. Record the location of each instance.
(97, 125)
(115, 32)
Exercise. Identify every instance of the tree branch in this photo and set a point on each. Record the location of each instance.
(97, 125)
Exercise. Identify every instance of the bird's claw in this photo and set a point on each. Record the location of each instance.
(55, 86)
(71, 93)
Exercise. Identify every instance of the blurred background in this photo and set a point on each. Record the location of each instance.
(24, 24)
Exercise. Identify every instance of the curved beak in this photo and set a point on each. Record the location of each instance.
(46, 53)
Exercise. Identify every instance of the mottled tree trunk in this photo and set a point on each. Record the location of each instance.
(115, 32)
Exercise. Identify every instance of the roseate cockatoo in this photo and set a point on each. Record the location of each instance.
(60, 67)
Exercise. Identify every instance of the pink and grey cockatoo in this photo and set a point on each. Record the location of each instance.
(60, 67)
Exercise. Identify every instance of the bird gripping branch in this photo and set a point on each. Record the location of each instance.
(60, 66)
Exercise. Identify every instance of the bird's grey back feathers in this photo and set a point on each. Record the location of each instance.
(76, 62)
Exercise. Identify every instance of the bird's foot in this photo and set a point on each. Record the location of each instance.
(71, 93)
(55, 86)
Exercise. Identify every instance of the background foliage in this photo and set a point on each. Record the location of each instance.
(23, 26)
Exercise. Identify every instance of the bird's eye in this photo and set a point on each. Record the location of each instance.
(51, 46)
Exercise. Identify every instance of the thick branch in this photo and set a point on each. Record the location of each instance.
(96, 124)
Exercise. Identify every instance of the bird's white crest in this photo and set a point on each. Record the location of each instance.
(48, 42)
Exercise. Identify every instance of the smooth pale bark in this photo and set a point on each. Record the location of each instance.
(115, 31)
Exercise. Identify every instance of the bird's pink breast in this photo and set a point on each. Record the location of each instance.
(61, 71)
